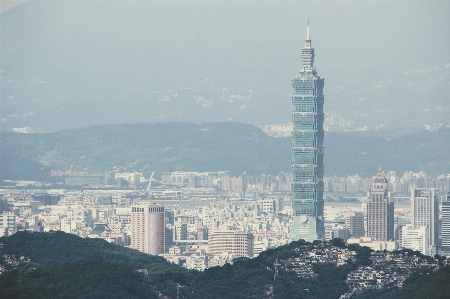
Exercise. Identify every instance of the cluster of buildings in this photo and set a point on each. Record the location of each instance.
(119, 179)
(387, 269)
(199, 231)
(422, 224)
(192, 232)
(306, 257)
(355, 184)
(253, 185)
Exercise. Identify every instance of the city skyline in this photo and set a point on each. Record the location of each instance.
(99, 96)
(307, 181)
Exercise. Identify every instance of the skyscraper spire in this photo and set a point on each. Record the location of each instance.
(307, 31)
(308, 51)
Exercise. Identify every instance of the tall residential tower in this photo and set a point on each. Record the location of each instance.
(307, 149)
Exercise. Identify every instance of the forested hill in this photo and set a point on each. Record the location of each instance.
(235, 147)
(60, 265)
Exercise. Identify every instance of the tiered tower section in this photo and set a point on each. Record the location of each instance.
(307, 149)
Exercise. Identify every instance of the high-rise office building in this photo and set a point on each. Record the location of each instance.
(445, 241)
(354, 221)
(425, 212)
(148, 228)
(307, 149)
(380, 210)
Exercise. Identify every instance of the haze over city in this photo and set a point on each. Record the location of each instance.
(70, 64)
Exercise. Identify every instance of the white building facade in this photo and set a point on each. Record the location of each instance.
(425, 212)
(416, 238)
(148, 228)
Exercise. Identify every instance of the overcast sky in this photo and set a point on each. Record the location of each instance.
(239, 45)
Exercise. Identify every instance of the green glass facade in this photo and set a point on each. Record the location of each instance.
(307, 150)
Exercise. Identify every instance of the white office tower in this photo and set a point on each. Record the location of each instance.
(147, 228)
(446, 221)
(416, 238)
(425, 212)
(239, 244)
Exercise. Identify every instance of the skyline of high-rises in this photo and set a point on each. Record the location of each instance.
(307, 149)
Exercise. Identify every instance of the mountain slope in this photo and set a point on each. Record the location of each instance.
(234, 147)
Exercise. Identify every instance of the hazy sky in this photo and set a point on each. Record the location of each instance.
(373, 54)
(8, 4)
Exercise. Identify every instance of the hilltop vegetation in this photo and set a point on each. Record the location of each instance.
(235, 147)
(66, 266)
(59, 265)
(50, 249)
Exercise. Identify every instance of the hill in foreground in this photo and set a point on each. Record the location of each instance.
(59, 265)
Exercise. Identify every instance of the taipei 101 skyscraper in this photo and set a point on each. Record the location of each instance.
(307, 149)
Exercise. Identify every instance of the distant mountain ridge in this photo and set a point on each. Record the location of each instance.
(229, 146)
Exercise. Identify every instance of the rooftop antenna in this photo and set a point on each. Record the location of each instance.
(307, 31)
